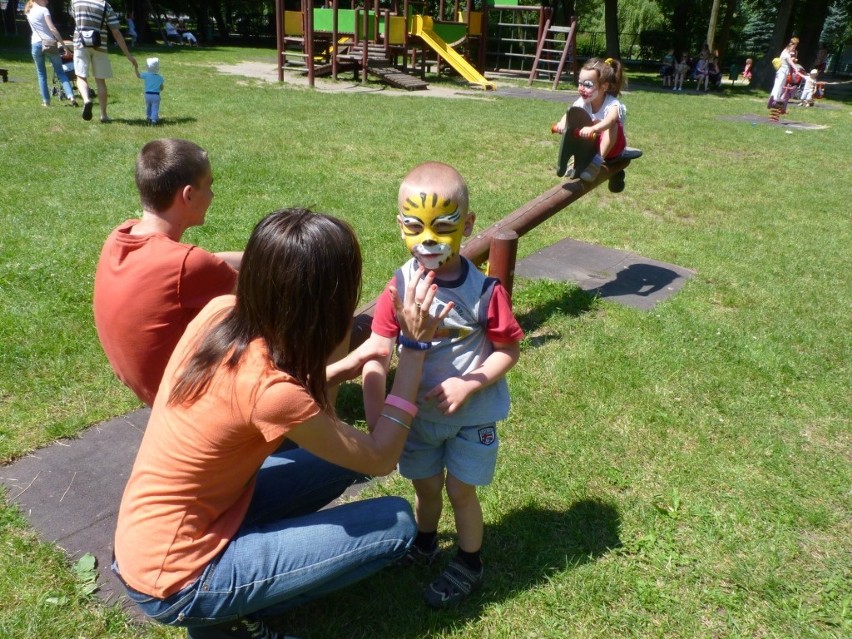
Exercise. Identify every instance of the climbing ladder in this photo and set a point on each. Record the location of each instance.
(556, 49)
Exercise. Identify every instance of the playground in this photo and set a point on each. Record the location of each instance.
(675, 467)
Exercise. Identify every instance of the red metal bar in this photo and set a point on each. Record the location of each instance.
(279, 37)
(309, 38)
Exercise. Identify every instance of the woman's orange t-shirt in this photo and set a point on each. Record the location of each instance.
(195, 471)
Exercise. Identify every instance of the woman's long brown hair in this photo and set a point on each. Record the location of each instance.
(299, 283)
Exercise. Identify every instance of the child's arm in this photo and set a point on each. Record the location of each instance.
(350, 365)
(454, 391)
(599, 127)
(559, 127)
(374, 377)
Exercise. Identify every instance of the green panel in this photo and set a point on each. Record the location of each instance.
(324, 20)
(451, 32)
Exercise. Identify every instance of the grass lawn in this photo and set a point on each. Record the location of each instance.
(683, 472)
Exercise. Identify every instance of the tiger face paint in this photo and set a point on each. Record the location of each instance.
(432, 227)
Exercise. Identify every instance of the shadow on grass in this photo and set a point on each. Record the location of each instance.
(538, 301)
(521, 552)
(164, 122)
(637, 279)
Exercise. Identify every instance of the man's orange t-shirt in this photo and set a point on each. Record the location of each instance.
(147, 289)
(195, 472)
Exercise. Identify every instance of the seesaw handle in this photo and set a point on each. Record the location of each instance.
(576, 134)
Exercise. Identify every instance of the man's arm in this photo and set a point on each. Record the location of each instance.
(232, 258)
(119, 40)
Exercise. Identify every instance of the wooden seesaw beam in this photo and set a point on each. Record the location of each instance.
(520, 221)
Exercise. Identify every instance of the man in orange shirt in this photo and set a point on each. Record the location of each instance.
(149, 285)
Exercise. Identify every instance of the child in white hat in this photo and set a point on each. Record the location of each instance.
(153, 87)
(807, 98)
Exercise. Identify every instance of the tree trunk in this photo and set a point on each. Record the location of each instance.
(680, 39)
(222, 28)
(9, 16)
(811, 21)
(711, 29)
(562, 12)
(725, 31)
(613, 47)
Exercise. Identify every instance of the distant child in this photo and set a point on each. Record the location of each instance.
(463, 392)
(681, 69)
(702, 73)
(809, 89)
(747, 70)
(667, 68)
(599, 84)
(153, 87)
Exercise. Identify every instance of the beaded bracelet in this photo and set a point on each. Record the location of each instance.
(401, 404)
(413, 344)
(396, 421)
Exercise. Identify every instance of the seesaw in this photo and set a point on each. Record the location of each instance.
(582, 149)
(494, 239)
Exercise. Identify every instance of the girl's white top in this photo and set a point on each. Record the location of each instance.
(36, 17)
(609, 102)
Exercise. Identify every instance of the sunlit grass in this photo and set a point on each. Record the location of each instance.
(682, 472)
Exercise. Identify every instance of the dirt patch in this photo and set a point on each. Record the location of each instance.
(269, 72)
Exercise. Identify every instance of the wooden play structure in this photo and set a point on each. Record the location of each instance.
(397, 42)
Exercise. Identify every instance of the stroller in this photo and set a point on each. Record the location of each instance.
(67, 57)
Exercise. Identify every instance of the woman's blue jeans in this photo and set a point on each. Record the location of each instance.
(289, 552)
(41, 72)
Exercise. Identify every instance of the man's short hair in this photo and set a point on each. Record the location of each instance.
(165, 166)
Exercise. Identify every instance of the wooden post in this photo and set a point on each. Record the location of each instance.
(501, 258)
(279, 37)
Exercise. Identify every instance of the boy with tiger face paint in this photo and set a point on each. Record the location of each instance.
(463, 393)
(434, 216)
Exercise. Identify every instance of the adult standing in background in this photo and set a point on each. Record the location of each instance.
(788, 65)
(45, 32)
(131, 29)
(94, 61)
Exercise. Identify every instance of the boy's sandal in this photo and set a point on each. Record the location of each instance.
(454, 584)
(417, 556)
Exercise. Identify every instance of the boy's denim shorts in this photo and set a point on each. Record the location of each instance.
(469, 453)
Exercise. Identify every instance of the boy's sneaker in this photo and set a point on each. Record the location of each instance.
(417, 556)
(238, 629)
(591, 171)
(87, 110)
(454, 584)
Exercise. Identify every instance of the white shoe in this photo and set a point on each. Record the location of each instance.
(591, 171)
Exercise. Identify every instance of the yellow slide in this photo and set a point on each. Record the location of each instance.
(423, 29)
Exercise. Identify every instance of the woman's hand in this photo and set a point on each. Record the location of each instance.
(412, 311)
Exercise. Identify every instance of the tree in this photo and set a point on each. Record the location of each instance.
(9, 17)
(811, 18)
(613, 48)
(837, 25)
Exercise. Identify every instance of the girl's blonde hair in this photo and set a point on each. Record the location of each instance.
(29, 6)
(610, 71)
